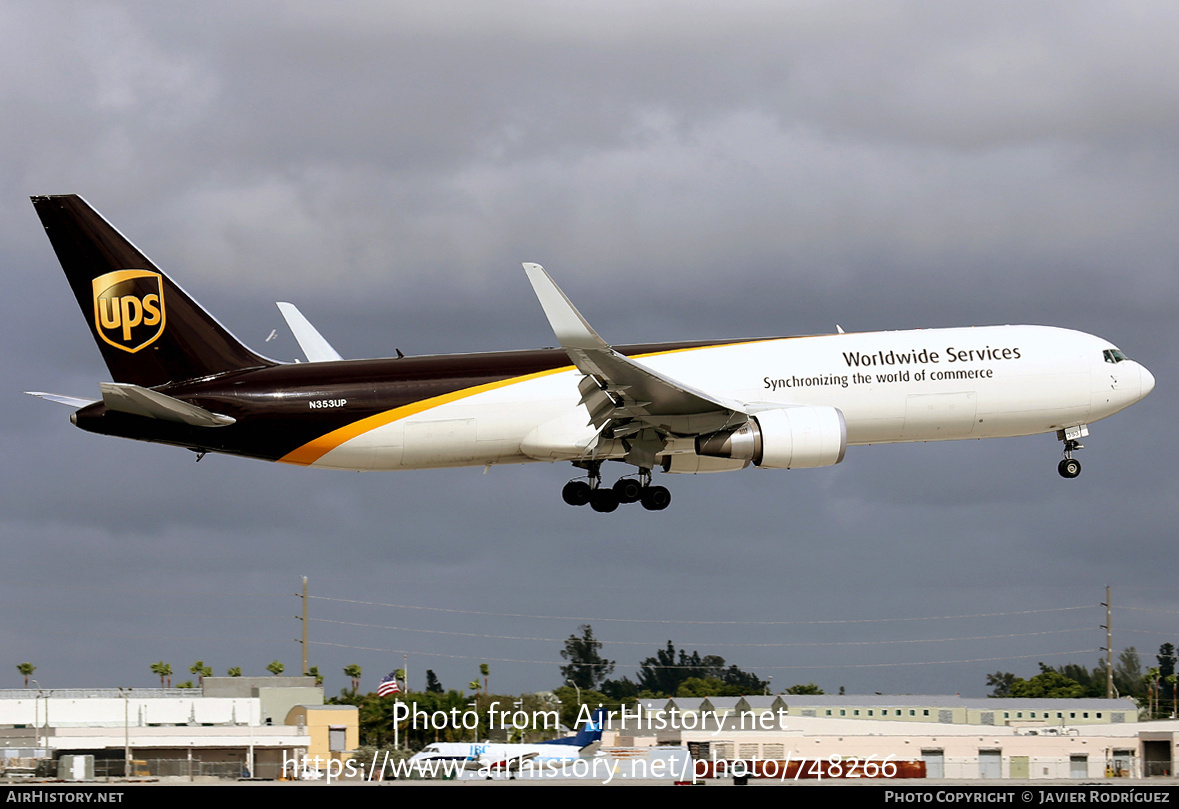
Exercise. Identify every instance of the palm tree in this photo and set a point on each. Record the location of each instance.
(201, 671)
(276, 668)
(236, 671)
(27, 670)
(314, 672)
(352, 670)
(1152, 680)
(485, 670)
(164, 670)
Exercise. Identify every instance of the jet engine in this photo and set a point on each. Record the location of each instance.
(784, 438)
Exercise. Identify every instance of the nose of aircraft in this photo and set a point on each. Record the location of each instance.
(1147, 384)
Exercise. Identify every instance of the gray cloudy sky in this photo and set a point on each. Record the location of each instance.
(684, 170)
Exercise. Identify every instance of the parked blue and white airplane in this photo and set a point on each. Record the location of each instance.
(490, 758)
(180, 378)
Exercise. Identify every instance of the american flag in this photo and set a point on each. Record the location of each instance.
(388, 685)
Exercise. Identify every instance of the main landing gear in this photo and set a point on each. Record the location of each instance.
(625, 490)
(1070, 467)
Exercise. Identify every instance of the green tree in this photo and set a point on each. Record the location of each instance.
(236, 671)
(433, 686)
(570, 708)
(201, 671)
(185, 684)
(276, 668)
(1048, 684)
(623, 691)
(1151, 679)
(701, 687)
(27, 670)
(164, 670)
(809, 688)
(314, 672)
(485, 670)
(658, 674)
(587, 668)
(1128, 673)
(353, 672)
(663, 674)
(1000, 683)
(1092, 681)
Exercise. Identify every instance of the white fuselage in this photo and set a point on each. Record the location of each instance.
(923, 385)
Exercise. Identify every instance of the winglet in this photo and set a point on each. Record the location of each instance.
(571, 328)
(314, 346)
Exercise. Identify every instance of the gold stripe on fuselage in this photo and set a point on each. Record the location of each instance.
(312, 451)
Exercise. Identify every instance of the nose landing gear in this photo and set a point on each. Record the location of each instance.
(1070, 467)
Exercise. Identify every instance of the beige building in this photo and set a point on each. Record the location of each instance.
(954, 738)
(333, 730)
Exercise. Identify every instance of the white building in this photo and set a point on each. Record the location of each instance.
(233, 726)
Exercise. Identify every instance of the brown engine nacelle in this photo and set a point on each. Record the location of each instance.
(787, 438)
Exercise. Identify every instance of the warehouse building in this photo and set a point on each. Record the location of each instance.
(231, 727)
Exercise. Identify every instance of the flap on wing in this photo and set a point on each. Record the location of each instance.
(617, 387)
(314, 346)
(137, 401)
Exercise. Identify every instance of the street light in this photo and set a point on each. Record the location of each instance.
(126, 693)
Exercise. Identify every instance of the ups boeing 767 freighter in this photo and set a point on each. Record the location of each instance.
(711, 406)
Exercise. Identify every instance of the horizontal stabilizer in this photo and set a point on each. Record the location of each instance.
(151, 404)
(314, 346)
(71, 401)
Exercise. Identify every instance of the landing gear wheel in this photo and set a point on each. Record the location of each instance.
(1069, 468)
(656, 498)
(604, 500)
(576, 493)
(628, 490)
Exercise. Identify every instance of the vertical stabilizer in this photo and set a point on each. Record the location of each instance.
(150, 332)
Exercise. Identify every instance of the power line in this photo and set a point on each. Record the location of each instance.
(485, 659)
(584, 620)
(710, 644)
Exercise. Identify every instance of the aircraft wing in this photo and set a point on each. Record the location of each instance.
(624, 396)
(314, 346)
(509, 763)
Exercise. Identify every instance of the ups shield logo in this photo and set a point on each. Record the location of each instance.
(129, 308)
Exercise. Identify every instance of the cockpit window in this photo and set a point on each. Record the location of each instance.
(1113, 355)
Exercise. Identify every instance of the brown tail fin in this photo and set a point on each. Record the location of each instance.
(150, 332)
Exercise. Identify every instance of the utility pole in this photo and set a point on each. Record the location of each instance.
(304, 669)
(1109, 685)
